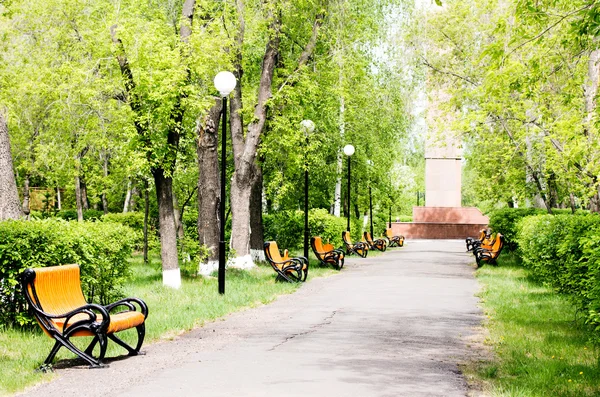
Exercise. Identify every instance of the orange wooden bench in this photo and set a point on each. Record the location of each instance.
(360, 248)
(55, 297)
(287, 268)
(379, 244)
(327, 254)
(394, 241)
(489, 254)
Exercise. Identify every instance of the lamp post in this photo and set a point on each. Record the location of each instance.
(370, 163)
(348, 151)
(308, 127)
(224, 83)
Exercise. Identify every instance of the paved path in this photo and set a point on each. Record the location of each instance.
(392, 325)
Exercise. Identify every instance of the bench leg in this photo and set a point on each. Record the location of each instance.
(141, 332)
(62, 341)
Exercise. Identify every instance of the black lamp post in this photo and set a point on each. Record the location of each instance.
(348, 151)
(224, 83)
(307, 126)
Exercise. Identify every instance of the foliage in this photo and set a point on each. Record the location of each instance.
(287, 227)
(506, 220)
(71, 215)
(135, 221)
(506, 77)
(100, 248)
(562, 251)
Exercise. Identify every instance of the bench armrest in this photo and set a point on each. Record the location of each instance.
(127, 302)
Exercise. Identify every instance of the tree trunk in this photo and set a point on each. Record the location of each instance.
(127, 197)
(590, 91)
(338, 183)
(209, 186)
(10, 207)
(245, 146)
(26, 209)
(84, 196)
(166, 225)
(178, 218)
(132, 200)
(146, 214)
(104, 198)
(58, 199)
(78, 201)
(241, 191)
(257, 239)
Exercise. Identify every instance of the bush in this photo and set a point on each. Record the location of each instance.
(100, 248)
(71, 215)
(505, 221)
(287, 227)
(135, 221)
(562, 251)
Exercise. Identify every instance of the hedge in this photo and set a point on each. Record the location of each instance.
(505, 221)
(100, 248)
(287, 227)
(562, 251)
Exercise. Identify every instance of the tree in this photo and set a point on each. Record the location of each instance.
(10, 207)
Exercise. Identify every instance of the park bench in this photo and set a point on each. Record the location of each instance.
(489, 255)
(287, 268)
(483, 238)
(56, 300)
(379, 244)
(361, 248)
(327, 254)
(394, 241)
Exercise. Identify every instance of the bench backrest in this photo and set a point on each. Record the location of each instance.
(55, 289)
(481, 235)
(388, 233)
(273, 254)
(498, 245)
(346, 237)
(317, 245)
(367, 237)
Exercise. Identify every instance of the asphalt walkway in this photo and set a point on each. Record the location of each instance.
(392, 325)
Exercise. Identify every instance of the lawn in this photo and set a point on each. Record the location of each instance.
(538, 345)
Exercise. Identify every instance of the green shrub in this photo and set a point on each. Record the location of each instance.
(404, 218)
(562, 251)
(100, 248)
(71, 215)
(135, 221)
(287, 227)
(329, 227)
(505, 221)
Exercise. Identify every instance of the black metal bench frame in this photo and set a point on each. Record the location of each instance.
(98, 328)
(334, 257)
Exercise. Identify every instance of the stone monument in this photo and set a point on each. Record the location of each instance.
(443, 216)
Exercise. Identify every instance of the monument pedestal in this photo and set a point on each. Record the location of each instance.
(442, 223)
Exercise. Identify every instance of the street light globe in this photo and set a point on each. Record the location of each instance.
(348, 150)
(225, 83)
(308, 126)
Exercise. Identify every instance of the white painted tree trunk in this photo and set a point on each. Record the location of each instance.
(337, 198)
(10, 207)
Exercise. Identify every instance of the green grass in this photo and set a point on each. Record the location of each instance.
(171, 312)
(539, 348)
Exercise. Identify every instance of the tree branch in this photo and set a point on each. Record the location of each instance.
(426, 63)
